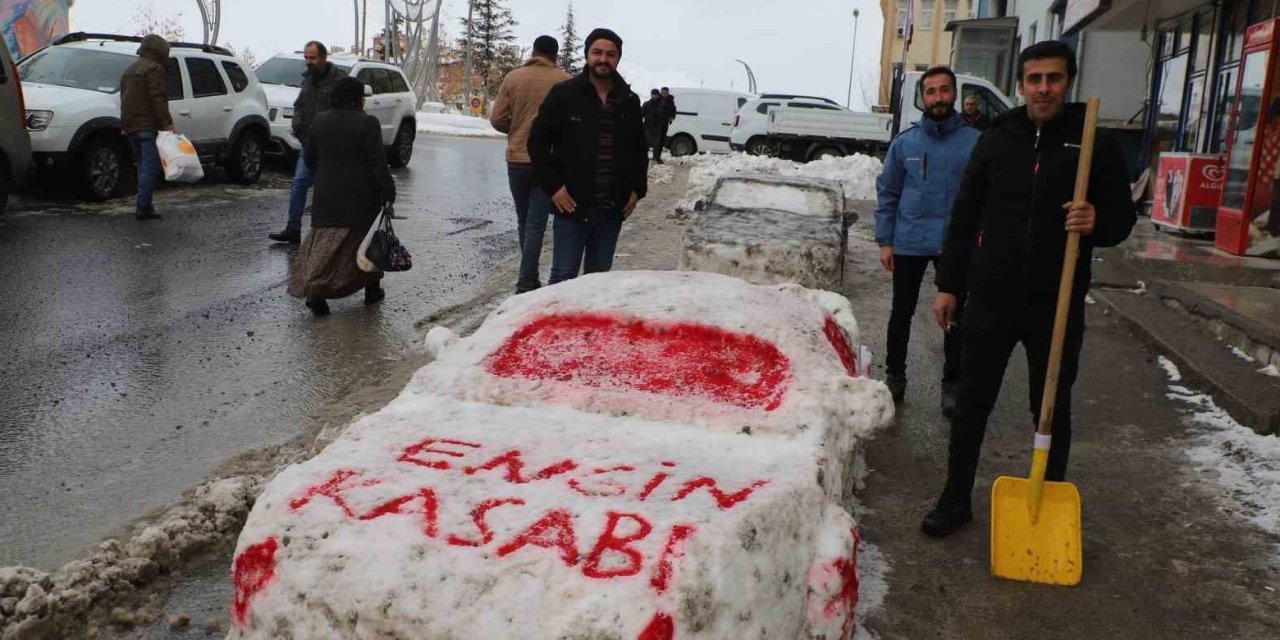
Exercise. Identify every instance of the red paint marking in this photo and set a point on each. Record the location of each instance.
(652, 485)
(723, 500)
(341, 480)
(514, 462)
(675, 359)
(477, 516)
(660, 627)
(836, 337)
(553, 531)
(847, 598)
(664, 572)
(253, 571)
(411, 453)
(611, 541)
(430, 509)
(614, 488)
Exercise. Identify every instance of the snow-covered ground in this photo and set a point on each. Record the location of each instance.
(1244, 464)
(1269, 370)
(453, 124)
(856, 173)
(648, 455)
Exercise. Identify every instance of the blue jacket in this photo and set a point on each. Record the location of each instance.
(918, 185)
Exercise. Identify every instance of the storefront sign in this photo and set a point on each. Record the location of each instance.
(1078, 13)
(1259, 34)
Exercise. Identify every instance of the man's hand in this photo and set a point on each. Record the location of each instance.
(630, 206)
(944, 310)
(886, 258)
(563, 201)
(1081, 217)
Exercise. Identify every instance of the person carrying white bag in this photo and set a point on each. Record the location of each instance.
(144, 114)
(178, 158)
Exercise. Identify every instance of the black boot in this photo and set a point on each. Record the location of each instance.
(946, 517)
(373, 294)
(291, 234)
(897, 386)
(950, 398)
(146, 212)
(318, 306)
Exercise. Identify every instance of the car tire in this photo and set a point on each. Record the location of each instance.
(683, 145)
(401, 151)
(758, 146)
(244, 163)
(105, 164)
(826, 152)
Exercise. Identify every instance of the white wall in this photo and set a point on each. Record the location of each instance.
(1114, 68)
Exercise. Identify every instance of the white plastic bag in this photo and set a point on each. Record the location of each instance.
(366, 265)
(178, 157)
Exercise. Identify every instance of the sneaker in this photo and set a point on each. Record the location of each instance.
(897, 386)
(950, 399)
(373, 294)
(291, 234)
(946, 518)
(318, 306)
(146, 212)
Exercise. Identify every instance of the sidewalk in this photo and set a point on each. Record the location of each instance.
(1215, 315)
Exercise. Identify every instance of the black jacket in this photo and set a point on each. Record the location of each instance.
(1007, 234)
(654, 110)
(313, 99)
(351, 175)
(564, 141)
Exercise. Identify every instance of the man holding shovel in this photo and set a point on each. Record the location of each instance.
(1005, 249)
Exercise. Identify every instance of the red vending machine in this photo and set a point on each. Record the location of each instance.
(1248, 220)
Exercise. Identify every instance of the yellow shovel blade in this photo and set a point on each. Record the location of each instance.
(1048, 551)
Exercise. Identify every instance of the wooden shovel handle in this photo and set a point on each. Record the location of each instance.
(1068, 274)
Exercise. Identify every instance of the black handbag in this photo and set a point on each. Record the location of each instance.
(385, 250)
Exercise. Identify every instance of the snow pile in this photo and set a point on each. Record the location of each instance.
(857, 173)
(35, 604)
(452, 124)
(1269, 370)
(660, 174)
(1246, 465)
(627, 455)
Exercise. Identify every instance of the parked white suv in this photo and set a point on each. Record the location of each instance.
(72, 88)
(750, 130)
(393, 101)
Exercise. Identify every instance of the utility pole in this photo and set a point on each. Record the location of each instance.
(355, 39)
(364, 27)
(751, 77)
(466, 83)
(852, 55)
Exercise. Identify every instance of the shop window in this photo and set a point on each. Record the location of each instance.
(1194, 114)
(1172, 87)
(1204, 33)
(1226, 98)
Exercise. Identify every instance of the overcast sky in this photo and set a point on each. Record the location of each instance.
(800, 46)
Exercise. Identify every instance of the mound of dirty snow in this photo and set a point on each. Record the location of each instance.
(452, 124)
(856, 174)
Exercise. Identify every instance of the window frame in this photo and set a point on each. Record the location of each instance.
(227, 66)
(193, 74)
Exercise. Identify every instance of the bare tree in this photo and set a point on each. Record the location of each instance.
(149, 22)
(246, 54)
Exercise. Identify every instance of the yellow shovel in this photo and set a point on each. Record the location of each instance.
(1035, 525)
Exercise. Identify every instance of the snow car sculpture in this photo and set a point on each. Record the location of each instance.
(647, 455)
(770, 229)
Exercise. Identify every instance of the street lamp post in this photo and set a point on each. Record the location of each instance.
(848, 97)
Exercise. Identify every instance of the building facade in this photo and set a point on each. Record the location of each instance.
(931, 44)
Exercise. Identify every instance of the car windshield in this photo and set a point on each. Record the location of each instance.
(285, 71)
(76, 67)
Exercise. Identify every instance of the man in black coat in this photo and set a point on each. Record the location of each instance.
(313, 99)
(1005, 248)
(588, 150)
(655, 123)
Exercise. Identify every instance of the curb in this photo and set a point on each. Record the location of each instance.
(1251, 398)
(1201, 305)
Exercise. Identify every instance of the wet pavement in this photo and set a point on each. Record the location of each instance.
(141, 355)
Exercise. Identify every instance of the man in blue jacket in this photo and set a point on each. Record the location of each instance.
(921, 176)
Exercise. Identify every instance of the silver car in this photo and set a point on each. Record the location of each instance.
(15, 145)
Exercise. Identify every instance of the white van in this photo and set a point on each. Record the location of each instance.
(703, 120)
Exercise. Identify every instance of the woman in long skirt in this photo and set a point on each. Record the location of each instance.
(352, 184)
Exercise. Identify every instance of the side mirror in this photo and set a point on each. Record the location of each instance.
(368, 91)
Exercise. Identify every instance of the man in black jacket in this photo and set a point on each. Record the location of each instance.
(588, 150)
(1005, 248)
(317, 85)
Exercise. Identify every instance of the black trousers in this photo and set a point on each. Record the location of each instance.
(908, 272)
(659, 140)
(990, 333)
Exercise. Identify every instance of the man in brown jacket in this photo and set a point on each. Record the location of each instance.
(144, 113)
(518, 100)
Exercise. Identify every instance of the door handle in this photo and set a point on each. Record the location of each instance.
(227, 109)
(185, 112)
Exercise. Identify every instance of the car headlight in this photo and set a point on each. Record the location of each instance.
(39, 120)
(288, 112)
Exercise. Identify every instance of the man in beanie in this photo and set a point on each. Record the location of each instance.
(655, 117)
(588, 149)
(519, 97)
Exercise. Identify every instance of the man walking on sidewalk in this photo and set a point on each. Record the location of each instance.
(915, 192)
(519, 97)
(144, 113)
(317, 85)
(655, 115)
(1005, 248)
(588, 150)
